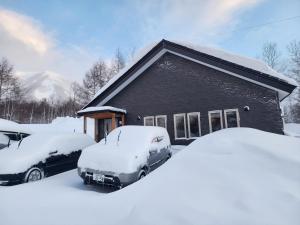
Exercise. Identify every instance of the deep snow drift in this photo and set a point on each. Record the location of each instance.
(292, 129)
(233, 176)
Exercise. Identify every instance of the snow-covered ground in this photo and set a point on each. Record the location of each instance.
(234, 176)
(292, 129)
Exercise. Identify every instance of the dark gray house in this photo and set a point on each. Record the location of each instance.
(192, 91)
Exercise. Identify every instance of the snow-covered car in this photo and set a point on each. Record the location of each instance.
(4, 141)
(126, 155)
(41, 155)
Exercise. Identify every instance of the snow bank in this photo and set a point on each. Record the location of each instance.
(126, 148)
(292, 129)
(233, 176)
(36, 148)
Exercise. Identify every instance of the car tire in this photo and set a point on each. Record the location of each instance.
(34, 174)
(142, 174)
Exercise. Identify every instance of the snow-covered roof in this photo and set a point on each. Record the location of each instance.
(254, 64)
(101, 108)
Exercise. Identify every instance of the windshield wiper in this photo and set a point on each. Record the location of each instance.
(119, 137)
(20, 142)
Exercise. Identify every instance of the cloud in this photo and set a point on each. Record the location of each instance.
(193, 20)
(26, 30)
(26, 44)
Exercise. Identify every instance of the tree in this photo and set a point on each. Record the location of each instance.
(271, 55)
(118, 63)
(6, 74)
(95, 78)
(293, 110)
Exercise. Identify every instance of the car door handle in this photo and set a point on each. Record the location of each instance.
(53, 153)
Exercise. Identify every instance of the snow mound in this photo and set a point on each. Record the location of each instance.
(292, 129)
(233, 176)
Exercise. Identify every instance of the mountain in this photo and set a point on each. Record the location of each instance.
(47, 84)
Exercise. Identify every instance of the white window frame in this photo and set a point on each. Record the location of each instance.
(209, 118)
(237, 116)
(149, 117)
(175, 131)
(189, 126)
(161, 116)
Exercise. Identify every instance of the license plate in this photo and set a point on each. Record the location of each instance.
(98, 177)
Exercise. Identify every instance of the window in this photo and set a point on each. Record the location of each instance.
(232, 118)
(149, 121)
(179, 126)
(194, 128)
(161, 121)
(215, 120)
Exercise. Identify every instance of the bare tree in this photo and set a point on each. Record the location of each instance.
(6, 74)
(95, 78)
(293, 110)
(118, 63)
(271, 55)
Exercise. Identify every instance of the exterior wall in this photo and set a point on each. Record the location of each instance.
(175, 85)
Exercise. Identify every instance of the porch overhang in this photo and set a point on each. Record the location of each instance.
(101, 113)
(96, 111)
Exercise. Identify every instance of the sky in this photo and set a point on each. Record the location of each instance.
(67, 37)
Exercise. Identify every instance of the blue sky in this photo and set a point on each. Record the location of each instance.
(67, 37)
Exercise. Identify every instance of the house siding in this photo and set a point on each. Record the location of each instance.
(176, 85)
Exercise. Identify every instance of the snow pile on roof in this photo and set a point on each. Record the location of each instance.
(244, 61)
(10, 126)
(292, 129)
(251, 63)
(102, 108)
(125, 149)
(36, 148)
(234, 176)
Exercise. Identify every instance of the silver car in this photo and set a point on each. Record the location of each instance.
(126, 155)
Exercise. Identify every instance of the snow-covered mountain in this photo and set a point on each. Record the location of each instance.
(47, 84)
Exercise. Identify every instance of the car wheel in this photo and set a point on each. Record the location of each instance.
(142, 174)
(34, 174)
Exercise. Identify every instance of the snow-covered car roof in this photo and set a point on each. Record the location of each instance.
(36, 147)
(124, 149)
(3, 139)
(10, 126)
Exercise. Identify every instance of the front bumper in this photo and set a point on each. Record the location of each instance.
(11, 179)
(109, 178)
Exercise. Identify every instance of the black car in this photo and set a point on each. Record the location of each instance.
(40, 155)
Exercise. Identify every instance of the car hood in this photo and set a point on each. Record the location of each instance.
(110, 159)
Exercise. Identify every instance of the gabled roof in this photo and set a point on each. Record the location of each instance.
(249, 69)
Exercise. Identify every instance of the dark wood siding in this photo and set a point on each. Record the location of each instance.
(176, 85)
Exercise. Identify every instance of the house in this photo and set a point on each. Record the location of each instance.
(191, 91)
